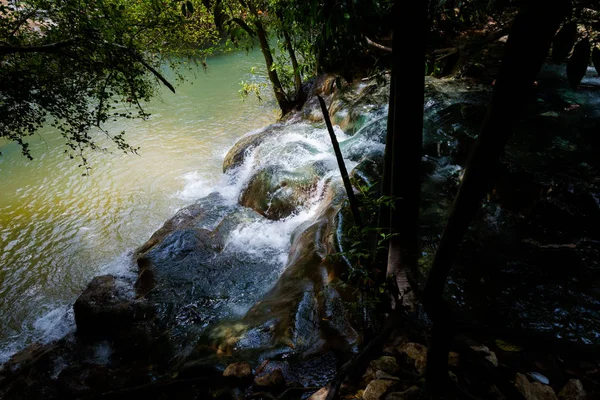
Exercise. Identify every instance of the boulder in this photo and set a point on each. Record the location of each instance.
(386, 364)
(103, 309)
(535, 390)
(415, 355)
(412, 393)
(235, 156)
(321, 394)
(276, 193)
(240, 370)
(270, 381)
(573, 390)
(376, 389)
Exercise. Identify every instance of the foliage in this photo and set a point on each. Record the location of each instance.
(78, 64)
(578, 39)
(363, 245)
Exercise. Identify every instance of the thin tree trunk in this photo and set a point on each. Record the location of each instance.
(340, 160)
(280, 96)
(407, 132)
(294, 60)
(526, 50)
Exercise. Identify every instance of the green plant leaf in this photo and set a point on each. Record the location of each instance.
(578, 63)
(190, 7)
(564, 41)
(506, 346)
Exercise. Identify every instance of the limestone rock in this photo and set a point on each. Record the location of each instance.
(412, 393)
(491, 356)
(321, 394)
(376, 389)
(573, 390)
(415, 355)
(386, 364)
(535, 390)
(272, 380)
(240, 370)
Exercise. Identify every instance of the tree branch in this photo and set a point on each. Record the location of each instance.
(244, 26)
(378, 46)
(47, 48)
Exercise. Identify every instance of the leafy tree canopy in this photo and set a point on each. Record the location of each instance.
(77, 64)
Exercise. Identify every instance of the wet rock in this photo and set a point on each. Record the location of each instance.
(272, 380)
(276, 193)
(240, 370)
(415, 355)
(179, 220)
(412, 393)
(535, 390)
(235, 156)
(376, 389)
(573, 390)
(103, 310)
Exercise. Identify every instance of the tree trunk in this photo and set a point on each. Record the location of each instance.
(526, 50)
(406, 118)
(300, 97)
(280, 96)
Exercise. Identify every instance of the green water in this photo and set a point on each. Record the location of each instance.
(59, 229)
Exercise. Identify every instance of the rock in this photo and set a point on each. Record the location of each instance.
(179, 220)
(235, 156)
(276, 193)
(415, 354)
(491, 356)
(412, 393)
(321, 394)
(240, 370)
(102, 310)
(454, 359)
(535, 390)
(573, 390)
(382, 375)
(272, 380)
(494, 393)
(376, 389)
(386, 364)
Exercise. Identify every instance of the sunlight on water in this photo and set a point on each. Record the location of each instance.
(59, 229)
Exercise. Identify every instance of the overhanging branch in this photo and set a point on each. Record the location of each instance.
(46, 48)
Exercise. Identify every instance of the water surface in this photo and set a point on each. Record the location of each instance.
(58, 229)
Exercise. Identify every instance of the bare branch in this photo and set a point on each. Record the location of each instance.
(378, 46)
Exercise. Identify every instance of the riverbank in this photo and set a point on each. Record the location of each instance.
(185, 327)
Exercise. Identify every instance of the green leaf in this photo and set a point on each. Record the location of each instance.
(578, 63)
(190, 7)
(506, 346)
(563, 42)
(596, 59)
(183, 11)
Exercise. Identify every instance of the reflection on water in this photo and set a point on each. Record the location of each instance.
(59, 229)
